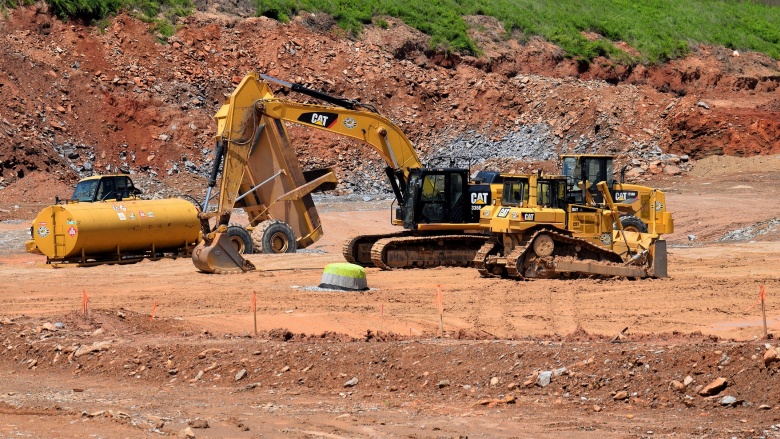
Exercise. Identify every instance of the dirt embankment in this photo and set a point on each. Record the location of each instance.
(77, 101)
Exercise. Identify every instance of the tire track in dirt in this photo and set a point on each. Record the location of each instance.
(562, 309)
(492, 313)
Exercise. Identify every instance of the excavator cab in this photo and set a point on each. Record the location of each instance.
(437, 196)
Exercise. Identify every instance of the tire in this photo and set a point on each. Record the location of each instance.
(239, 237)
(274, 236)
(633, 224)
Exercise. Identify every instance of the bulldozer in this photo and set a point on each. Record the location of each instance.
(437, 207)
(641, 208)
(540, 229)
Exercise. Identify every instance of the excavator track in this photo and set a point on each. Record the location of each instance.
(426, 251)
(567, 255)
(357, 249)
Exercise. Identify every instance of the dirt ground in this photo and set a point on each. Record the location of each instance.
(336, 364)
(165, 349)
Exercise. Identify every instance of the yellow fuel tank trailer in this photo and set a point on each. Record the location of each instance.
(114, 231)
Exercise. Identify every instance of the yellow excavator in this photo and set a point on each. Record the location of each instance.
(439, 208)
(541, 229)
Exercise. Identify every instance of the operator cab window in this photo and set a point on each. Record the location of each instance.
(85, 191)
(551, 193)
(544, 196)
(433, 188)
(107, 189)
(598, 170)
(125, 188)
(514, 193)
(433, 198)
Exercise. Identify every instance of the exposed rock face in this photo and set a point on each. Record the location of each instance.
(75, 101)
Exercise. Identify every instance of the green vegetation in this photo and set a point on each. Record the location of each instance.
(5, 5)
(163, 13)
(658, 29)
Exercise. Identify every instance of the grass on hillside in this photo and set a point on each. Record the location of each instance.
(658, 29)
(162, 13)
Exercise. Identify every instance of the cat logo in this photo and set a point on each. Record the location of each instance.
(528, 217)
(503, 212)
(320, 119)
(625, 195)
(480, 197)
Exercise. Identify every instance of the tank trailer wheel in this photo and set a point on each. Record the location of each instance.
(274, 236)
(544, 245)
(632, 224)
(240, 239)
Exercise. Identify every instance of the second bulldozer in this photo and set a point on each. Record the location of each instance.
(540, 231)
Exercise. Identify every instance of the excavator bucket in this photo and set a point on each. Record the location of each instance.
(220, 256)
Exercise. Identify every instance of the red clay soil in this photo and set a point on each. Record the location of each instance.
(167, 351)
(163, 348)
(119, 100)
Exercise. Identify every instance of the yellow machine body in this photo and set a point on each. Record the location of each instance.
(645, 203)
(84, 232)
(538, 232)
(271, 169)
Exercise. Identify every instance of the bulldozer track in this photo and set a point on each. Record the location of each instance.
(428, 251)
(516, 254)
(481, 257)
(606, 257)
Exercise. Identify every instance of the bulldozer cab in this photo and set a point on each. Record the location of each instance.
(551, 193)
(584, 172)
(542, 192)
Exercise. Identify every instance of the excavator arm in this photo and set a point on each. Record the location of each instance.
(372, 128)
(253, 117)
(239, 128)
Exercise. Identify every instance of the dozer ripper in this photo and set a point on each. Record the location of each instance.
(439, 208)
(641, 208)
(541, 230)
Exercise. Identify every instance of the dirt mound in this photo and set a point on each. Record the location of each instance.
(642, 376)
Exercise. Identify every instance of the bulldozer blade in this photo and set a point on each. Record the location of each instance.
(660, 259)
(219, 256)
